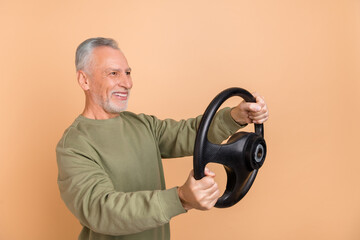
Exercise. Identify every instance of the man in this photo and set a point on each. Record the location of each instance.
(109, 160)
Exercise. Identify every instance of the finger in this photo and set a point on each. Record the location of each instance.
(212, 203)
(215, 194)
(255, 94)
(206, 183)
(260, 100)
(214, 197)
(261, 120)
(258, 116)
(263, 110)
(211, 192)
(208, 172)
(253, 107)
(191, 178)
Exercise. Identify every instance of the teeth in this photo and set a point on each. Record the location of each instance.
(121, 94)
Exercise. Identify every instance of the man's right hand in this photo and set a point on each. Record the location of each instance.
(199, 194)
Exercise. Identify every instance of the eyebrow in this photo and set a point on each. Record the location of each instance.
(118, 69)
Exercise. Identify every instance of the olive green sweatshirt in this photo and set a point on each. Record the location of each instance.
(111, 175)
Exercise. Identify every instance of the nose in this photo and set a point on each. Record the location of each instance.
(126, 82)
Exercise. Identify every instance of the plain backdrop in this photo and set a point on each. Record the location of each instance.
(302, 56)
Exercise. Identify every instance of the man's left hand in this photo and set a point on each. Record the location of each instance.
(247, 112)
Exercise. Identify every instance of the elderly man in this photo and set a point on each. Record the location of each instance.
(109, 160)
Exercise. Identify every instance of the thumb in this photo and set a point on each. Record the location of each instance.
(208, 172)
(249, 106)
(191, 174)
(253, 107)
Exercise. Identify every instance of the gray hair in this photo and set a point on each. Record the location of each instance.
(84, 50)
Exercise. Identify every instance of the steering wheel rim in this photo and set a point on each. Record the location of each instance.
(205, 150)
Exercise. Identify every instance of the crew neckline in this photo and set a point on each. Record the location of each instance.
(98, 121)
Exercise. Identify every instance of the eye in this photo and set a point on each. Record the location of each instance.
(113, 73)
(128, 73)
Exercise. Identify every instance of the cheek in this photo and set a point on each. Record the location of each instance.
(103, 87)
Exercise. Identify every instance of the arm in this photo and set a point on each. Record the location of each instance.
(177, 138)
(89, 193)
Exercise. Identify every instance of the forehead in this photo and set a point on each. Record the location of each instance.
(107, 57)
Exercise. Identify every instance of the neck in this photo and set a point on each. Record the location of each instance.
(94, 111)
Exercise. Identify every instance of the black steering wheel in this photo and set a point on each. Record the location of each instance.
(241, 156)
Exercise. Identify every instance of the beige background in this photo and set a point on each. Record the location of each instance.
(303, 56)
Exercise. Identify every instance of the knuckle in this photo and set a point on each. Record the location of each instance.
(193, 188)
(206, 206)
(209, 180)
(217, 194)
(198, 199)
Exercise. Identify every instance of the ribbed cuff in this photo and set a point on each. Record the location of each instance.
(170, 203)
(228, 121)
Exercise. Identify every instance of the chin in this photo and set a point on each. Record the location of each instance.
(115, 108)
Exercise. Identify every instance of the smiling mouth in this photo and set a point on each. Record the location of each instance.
(121, 95)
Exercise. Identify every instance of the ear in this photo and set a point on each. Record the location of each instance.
(83, 80)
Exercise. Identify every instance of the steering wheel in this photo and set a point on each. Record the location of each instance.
(241, 156)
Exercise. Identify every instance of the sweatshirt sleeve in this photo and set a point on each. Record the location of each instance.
(177, 138)
(89, 193)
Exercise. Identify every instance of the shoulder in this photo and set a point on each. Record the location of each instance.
(74, 135)
(140, 118)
